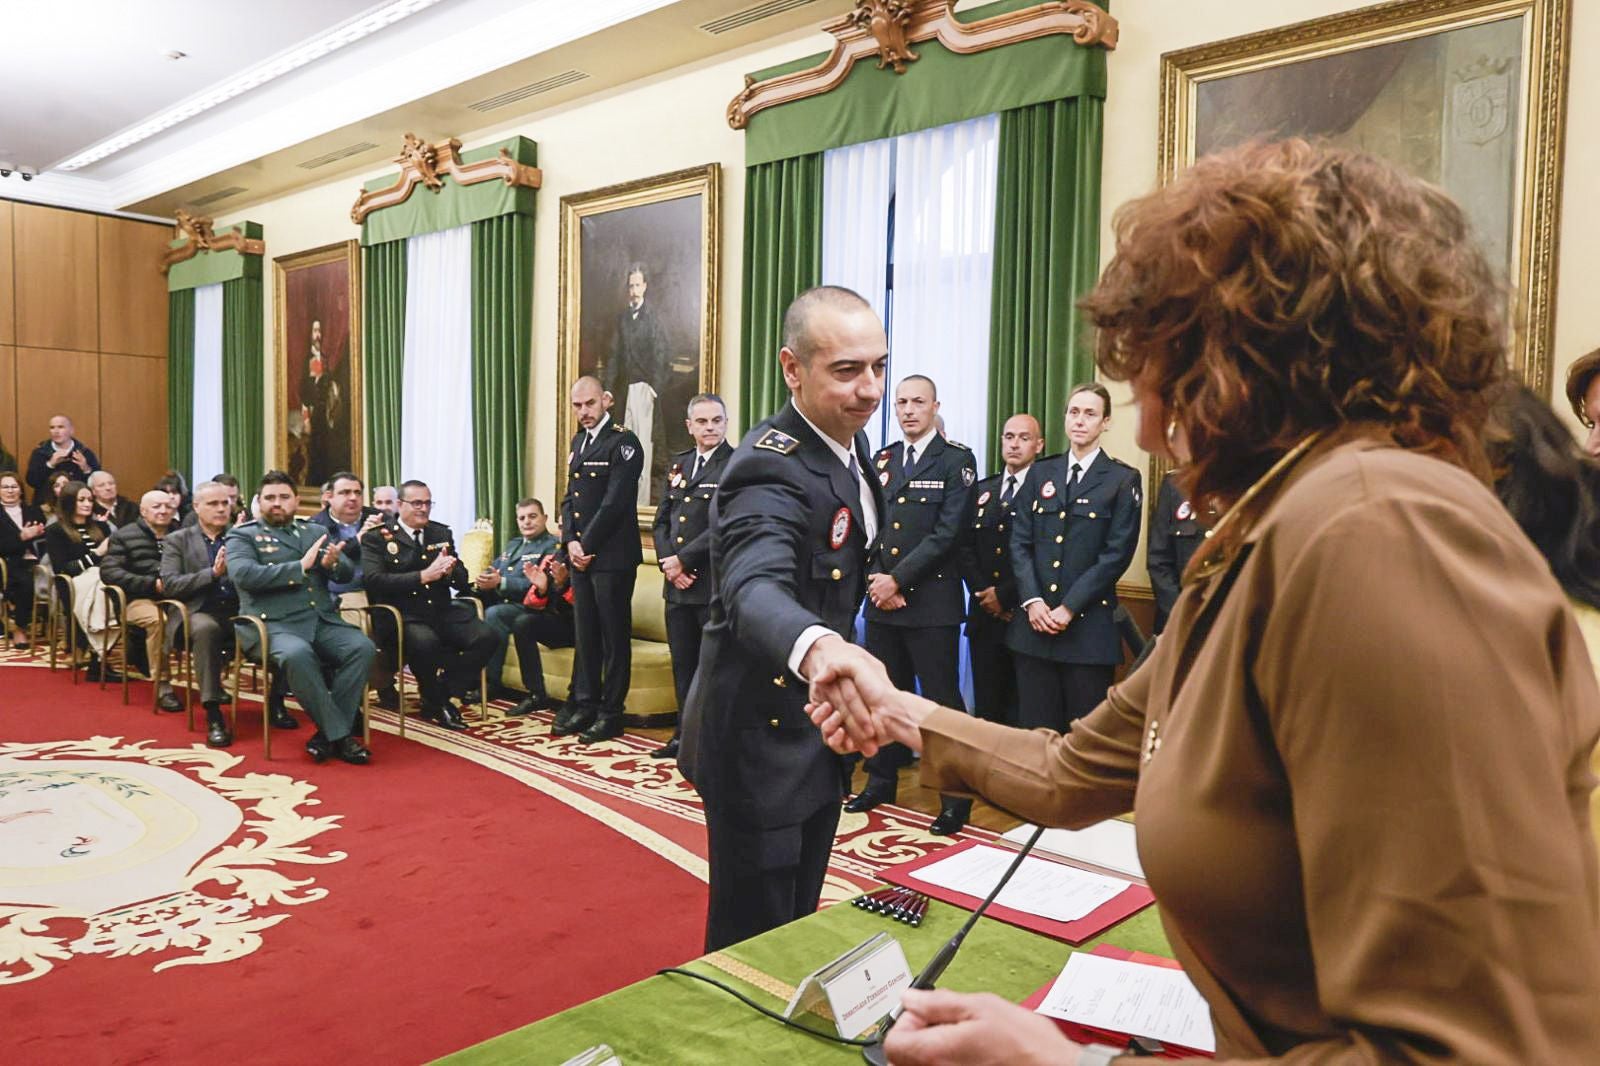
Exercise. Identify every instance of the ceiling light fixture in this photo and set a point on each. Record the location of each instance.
(284, 63)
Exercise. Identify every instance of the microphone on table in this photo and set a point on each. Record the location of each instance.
(873, 1052)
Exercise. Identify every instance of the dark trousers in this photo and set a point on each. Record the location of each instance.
(686, 624)
(209, 638)
(602, 668)
(994, 675)
(19, 591)
(762, 878)
(528, 629)
(911, 654)
(448, 655)
(1053, 695)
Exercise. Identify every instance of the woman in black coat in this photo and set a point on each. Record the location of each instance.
(21, 527)
(76, 543)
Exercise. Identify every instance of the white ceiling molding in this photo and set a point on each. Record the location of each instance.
(69, 190)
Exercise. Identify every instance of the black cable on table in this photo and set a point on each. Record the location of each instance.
(774, 1015)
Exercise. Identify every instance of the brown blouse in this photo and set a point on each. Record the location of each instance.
(1359, 762)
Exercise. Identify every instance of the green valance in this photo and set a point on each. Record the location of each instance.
(429, 211)
(214, 267)
(939, 88)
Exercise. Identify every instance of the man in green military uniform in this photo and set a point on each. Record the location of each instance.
(281, 567)
(504, 587)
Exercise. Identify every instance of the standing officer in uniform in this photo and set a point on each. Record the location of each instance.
(280, 567)
(1072, 537)
(411, 564)
(504, 587)
(791, 522)
(598, 520)
(682, 533)
(1175, 535)
(986, 567)
(914, 597)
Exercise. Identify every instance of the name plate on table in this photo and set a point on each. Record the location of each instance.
(861, 986)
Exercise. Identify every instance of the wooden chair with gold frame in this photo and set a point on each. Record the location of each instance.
(368, 611)
(168, 648)
(117, 635)
(63, 611)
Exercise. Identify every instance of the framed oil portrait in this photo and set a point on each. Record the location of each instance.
(319, 406)
(638, 298)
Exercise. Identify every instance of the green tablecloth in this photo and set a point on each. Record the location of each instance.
(674, 1019)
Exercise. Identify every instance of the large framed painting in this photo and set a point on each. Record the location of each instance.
(638, 298)
(319, 408)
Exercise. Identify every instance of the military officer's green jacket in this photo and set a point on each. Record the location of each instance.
(264, 565)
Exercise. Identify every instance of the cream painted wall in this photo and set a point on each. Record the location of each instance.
(676, 120)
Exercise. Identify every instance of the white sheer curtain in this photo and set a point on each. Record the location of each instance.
(436, 393)
(205, 456)
(944, 194)
(857, 182)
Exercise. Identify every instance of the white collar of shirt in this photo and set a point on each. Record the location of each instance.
(844, 453)
(414, 534)
(63, 449)
(1021, 476)
(594, 434)
(921, 443)
(1083, 464)
(705, 457)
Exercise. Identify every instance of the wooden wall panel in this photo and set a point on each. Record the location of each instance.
(51, 381)
(8, 403)
(56, 279)
(133, 291)
(133, 429)
(8, 324)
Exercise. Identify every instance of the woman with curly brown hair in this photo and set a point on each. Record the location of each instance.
(1359, 753)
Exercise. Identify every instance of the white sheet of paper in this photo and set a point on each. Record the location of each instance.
(1108, 844)
(1042, 887)
(1131, 997)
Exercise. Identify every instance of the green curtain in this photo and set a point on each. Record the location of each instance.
(383, 310)
(180, 382)
(1046, 256)
(502, 351)
(782, 258)
(243, 371)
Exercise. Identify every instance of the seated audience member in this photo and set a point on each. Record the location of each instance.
(230, 485)
(387, 500)
(1583, 392)
(133, 564)
(411, 565)
(280, 568)
(528, 606)
(1370, 687)
(173, 482)
(112, 508)
(62, 452)
(50, 504)
(75, 543)
(21, 530)
(194, 569)
(346, 520)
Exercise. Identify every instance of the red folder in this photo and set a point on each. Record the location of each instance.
(1129, 901)
(1088, 1034)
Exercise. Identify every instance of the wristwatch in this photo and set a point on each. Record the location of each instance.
(1098, 1054)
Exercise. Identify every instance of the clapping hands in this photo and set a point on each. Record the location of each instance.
(442, 564)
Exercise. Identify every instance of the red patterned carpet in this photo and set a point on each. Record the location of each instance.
(180, 905)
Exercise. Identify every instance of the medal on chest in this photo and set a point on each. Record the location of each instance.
(839, 531)
(1048, 490)
(1184, 511)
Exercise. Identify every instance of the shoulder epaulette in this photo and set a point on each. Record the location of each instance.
(619, 427)
(776, 440)
(1114, 459)
(957, 444)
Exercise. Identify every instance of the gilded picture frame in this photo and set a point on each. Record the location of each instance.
(318, 409)
(1468, 94)
(639, 309)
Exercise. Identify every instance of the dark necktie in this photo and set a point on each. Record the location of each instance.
(911, 458)
(1072, 482)
(699, 460)
(1010, 489)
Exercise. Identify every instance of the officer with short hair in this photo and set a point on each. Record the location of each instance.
(505, 587)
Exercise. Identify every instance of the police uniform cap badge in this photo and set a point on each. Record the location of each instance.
(983, 497)
(839, 532)
(1048, 490)
(1184, 511)
(776, 440)
(394, 549)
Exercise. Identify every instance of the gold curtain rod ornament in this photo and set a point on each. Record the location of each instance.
(200, 238)
(426, 164)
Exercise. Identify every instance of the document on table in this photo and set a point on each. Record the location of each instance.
(1049, 889)
(1133, 998)
(1109, 844)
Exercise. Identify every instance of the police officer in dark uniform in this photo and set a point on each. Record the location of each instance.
(598, 520)
(1175, 535)
(1072, 537)
(914, 598)
(986, 568)
(682, 533)
(791, 522)
(411, 564)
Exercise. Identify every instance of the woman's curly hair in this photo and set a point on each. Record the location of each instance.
(1276, 289)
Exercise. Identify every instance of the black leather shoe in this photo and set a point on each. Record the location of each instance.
(669, 750)
(603, 729)
(571, 721)
(169, 701)
(446, 715)
(281, 718)
(952, 818)
(351, 750)
(388, 698)
(875, 793)
(471, 696)
(531, 704)
(98, 670)
(218, 735)
(318, 747)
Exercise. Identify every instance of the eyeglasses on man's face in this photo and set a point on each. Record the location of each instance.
(418, 503)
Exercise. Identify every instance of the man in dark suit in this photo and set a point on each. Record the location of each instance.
(62, 452)
(1175, 535)
(793, 515)
(598, 520)
(682, 535)
(411, 564)
(986, 568)
(1072, 537)
(914, 598)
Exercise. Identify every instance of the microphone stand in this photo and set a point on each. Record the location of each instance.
(873, 1052)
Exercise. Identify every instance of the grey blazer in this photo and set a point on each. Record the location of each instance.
(186, 566)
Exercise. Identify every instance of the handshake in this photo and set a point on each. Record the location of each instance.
(853, 702)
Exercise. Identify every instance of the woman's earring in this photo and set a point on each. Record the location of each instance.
(1172, 431)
